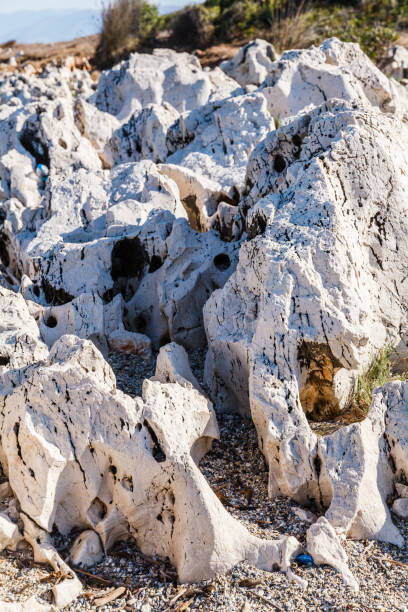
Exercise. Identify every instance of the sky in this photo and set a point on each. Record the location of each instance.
(32, 5)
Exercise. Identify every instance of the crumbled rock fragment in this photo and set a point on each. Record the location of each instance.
(325, 547)
(252, 63)
(86, 549)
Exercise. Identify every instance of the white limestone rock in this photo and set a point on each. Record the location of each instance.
(303, 79)
(69, 252)
(20, 341)
(83, 317)
(396, 63)
(215, 141)
(400, 507)
(143, 136)
(252, 63)
(92, 457)
(355, 478)
(206, 150)
(168, 303)
(172, 366)
(10, 535)
(317, 293)
(96, 126)
(86, 550)
(163, 76)
(325, 548)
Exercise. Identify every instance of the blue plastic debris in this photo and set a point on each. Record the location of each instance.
(305, 560)
(42, 173)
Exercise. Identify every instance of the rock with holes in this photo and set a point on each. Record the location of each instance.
(82, 454)
(83, 317)
(39, 140)
(86, 549)
(326, 549)
(318, 291)
(18, 88)
(79, 243)
(163, 76)
(303, 79)
(216, 140)
(396, 63)
(20, 341)
(18, 178)
(206, 150)
(143, 136)
(168, 303)
(252, 64)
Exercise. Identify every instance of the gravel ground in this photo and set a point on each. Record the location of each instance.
(236, 471)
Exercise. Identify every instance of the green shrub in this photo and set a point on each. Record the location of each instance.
(378, 374)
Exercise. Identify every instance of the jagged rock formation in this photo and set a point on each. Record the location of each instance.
(303, 79)
(317, 292)
(165, 208)
(252, 64)
(93, 458)
(164, 76)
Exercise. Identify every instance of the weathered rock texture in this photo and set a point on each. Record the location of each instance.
(78, 453)
(252, 64)
(318, 291)
(165, 208)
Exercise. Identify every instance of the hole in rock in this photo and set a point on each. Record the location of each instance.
(30, 139)
(4, 256)
(56, 297)
(157, 452)
(326, 390)
(140, 324)
(4, 360)
(129, 259)
(318, 368)
(62, 143)
(297, 140)
(127, 483)
(155, 264)
(97, 511)
(193, 212)
(51, 321)
(279, 163)
(165, 340)
(222, 261)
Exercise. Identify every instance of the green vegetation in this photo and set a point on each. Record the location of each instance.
(135, 24)
(378, 374)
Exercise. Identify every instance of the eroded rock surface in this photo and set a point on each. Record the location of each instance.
(317, 292)
(165, 211)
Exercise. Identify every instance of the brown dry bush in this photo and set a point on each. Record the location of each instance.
(124, 24)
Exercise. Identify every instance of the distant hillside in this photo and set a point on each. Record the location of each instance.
(48, 26)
